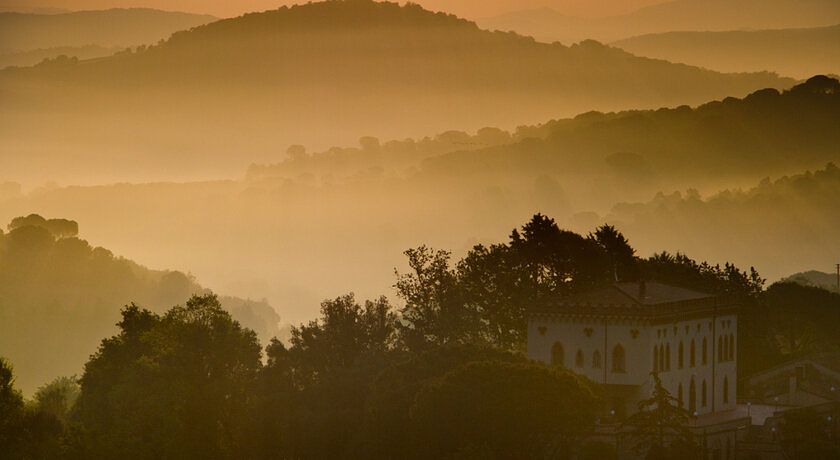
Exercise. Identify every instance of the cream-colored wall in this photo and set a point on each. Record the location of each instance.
(572, 334)
(544, 331)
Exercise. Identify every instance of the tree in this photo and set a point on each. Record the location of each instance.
(394, 389)
(622, 257)
(554, 261)
(312, 393)
(25, 433)
(177, 386)
(512, 410)
(434, 312)
(58, 397)
(659, 428)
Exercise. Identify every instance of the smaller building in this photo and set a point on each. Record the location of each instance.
(802, 382)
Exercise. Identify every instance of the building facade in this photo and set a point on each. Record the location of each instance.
(617, 335)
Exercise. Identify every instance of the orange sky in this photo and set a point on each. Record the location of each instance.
(466, 8)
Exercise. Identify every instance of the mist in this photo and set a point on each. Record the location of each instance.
(342, 217)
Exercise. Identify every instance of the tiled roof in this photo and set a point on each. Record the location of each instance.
(648, 298)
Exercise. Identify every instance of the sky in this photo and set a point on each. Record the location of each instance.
(227, 8)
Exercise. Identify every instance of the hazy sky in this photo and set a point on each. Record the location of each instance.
(224, 8)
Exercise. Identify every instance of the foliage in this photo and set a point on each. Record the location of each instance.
(176, 386)
(62, 293)
(659, 427)
(514, 410)
(25, 433)
(58, 397)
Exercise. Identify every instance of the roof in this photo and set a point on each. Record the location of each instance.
(637, 299)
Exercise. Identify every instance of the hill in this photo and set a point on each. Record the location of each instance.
(322, 223)
(679, 15)
(237, 91)
(32, 57)
(766, 133)
(59, 294)
(779, 226)
(815, 278)
(107, 28)
(794, 52)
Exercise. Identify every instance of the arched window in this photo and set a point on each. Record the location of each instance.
(725, 348)
(668, 357)
(618, 362)
(579, 359)
(705, 351)
(703, 400)
(596, 359)
(692, 360)
(720, 349)
(692, 397)
(656, 358)
(661, 358)
(557, 358)
(680, 395)
(680, 356)
(725, 390)
(731, 347)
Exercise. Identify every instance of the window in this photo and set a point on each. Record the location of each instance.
(705, 351)
(680, 356)
(680, 395)
(557, 358)
(692, 397)
(596, 359)
(731, 347)
(655, 358)
(703, 400)
(725, 348)
(579, 359)
(720, 349)
(661, 358)
(618, 363)
(726, 390)
(668, 357)
(692, 361)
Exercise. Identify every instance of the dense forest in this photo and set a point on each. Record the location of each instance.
(57, 292)
(374, 380)
(798, 211)
(318, 74)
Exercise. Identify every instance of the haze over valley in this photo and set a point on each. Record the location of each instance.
(319, 230)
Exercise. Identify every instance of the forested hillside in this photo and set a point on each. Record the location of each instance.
(274, 231)
(59, 295)
(239, 90)
(783, 225)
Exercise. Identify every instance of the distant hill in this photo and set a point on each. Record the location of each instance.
(59, 295)
(765, 133)
(815, 278)
(319, 223)
(238, 91)
(32, 57)
(796, 53)
(107, 28)
(778, 226)
(678, 15)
